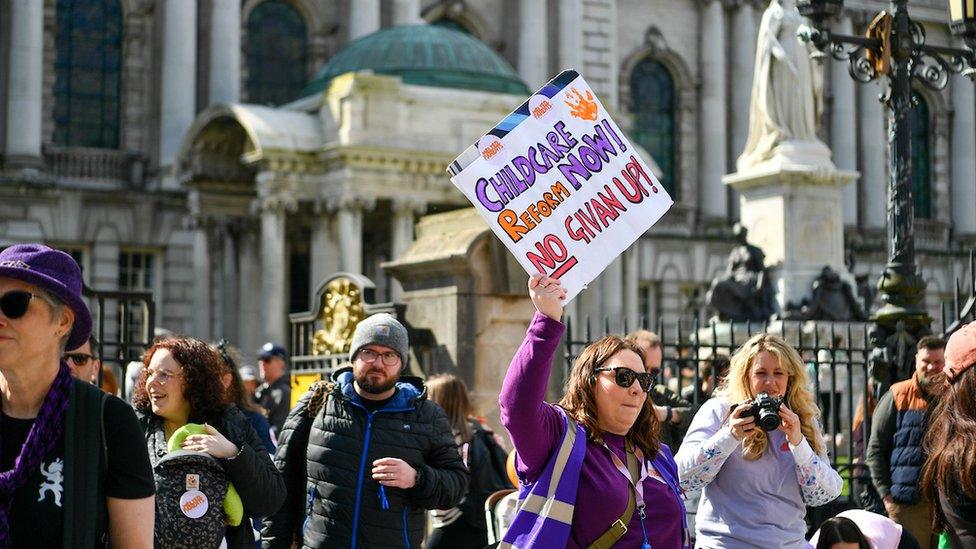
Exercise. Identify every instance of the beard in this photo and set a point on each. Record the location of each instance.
(375, 387)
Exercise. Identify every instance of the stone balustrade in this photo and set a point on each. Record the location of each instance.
(93, 165)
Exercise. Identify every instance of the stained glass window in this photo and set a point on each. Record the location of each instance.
(652, 102)
(88, 67)
(276, 53)
(921, 166)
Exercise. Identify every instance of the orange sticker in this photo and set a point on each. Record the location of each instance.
(194, 504)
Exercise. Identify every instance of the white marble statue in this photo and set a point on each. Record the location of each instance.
(787, 90)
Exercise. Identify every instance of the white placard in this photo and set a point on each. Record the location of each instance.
(560, 184)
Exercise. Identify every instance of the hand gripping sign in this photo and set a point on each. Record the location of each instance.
(560, 184)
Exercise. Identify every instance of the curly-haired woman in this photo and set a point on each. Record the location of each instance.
(182, 383)
(592, 469)
(757, 484)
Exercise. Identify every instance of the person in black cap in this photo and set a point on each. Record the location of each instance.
(274, 395)
(364, 467)
(74, 470)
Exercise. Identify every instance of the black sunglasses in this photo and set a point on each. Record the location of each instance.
(625, 377)
(14, 304)
(80, 359)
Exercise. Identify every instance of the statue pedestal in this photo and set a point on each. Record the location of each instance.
(792, 206)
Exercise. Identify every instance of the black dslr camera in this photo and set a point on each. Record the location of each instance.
(766, 411)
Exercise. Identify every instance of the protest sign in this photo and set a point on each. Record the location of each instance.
(560, 184)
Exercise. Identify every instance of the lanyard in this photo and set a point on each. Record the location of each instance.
(637, 487)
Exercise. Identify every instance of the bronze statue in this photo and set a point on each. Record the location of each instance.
(745, 292)
(831, 299)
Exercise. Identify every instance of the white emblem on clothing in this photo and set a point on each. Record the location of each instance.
(53, 481)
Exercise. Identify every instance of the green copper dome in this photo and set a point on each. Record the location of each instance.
(425, 55)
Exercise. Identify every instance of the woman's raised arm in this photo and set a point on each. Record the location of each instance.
(534, 425)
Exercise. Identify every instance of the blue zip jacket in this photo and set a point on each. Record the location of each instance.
(327, 460)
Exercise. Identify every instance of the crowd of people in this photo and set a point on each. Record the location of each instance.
(204, 451)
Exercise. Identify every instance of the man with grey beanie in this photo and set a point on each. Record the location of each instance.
(362, 467)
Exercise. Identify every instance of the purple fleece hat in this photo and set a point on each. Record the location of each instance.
(55, 272)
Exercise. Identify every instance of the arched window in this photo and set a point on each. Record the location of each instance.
(276, 53)
(921, 166)
(88, 67)
(652, 102)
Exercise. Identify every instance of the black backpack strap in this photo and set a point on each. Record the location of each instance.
(85, 457)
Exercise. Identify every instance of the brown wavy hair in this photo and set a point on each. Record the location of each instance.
(580, 403)
(202, 369)
(736, 389)
(950, 468)
(451, 394)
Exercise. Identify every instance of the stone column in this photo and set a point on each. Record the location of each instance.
(743, 65)
(405, 214)
(631, 284)
(571, 34)
(713, 109)
(178, 97)
(406, 12)
(843, 123)
(250, 326)
(533, 61)
(225, 51)
(273, 266)
(612, 283)
(874, 146)
(325, 249)
(202, 276)
(364, 18)
(230, 311)
(24, 82)
(349, 225)
(963, 159)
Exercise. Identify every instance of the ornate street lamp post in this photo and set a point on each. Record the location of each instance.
(895, 48)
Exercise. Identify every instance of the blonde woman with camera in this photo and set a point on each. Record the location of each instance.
(757, 452)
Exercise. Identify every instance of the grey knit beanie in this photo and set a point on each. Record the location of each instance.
(381, 329)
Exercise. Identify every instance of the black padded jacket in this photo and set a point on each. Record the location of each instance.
(333, 500)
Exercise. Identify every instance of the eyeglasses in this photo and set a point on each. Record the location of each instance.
(161, 376)
(389, 358)
(14, 304)
(79, 359)
(625, 377)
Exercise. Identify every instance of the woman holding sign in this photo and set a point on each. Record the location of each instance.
(592, 469)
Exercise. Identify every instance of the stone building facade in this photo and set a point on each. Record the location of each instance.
(174, 174)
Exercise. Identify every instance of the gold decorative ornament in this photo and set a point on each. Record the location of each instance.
(342, 309)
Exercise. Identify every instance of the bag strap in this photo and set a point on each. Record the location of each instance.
(619, 526)
(85, 456)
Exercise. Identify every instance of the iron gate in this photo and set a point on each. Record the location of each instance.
(124, 323)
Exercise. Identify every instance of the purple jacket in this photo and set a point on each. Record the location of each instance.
(588, 478)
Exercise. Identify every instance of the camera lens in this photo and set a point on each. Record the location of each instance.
(769, 419)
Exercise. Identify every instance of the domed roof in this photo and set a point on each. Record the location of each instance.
(425, 55)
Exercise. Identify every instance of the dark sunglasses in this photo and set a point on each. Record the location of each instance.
(80, 359)
(625, 377)
(14, 304)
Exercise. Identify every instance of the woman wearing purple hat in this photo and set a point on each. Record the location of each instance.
(74, 471)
